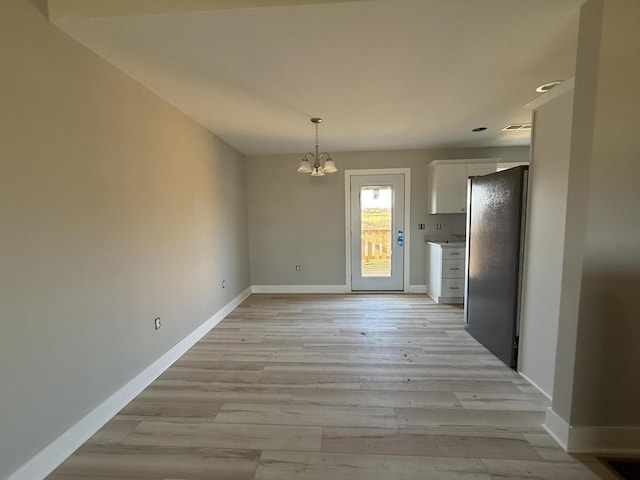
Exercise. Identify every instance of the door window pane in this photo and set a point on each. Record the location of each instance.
(375, 220)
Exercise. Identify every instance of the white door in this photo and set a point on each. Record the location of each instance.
(377, 232)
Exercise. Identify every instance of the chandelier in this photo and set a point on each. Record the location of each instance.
(317, 170)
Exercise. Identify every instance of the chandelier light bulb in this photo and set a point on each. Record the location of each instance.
(330, 166)
(305, 166)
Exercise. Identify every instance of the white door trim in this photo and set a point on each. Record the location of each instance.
(407, 217)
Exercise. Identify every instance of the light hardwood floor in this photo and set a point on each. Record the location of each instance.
(338, 387)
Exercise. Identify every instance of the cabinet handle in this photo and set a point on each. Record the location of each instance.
(454, 268)
(454, 253)
(454, 288)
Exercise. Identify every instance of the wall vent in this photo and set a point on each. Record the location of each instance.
(517, 126)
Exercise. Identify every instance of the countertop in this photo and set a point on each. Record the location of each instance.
(447, 243)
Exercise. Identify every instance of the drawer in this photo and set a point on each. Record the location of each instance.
(452, 287)
(451, 253)
(453, 268)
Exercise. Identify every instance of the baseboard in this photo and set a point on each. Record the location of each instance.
(555, 426)
(616, 441)
(443, 300)
(536, 386)
(50, 457)
(416, 289)
(299, 289)
(613, 440)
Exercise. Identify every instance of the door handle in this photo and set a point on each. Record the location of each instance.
(400, 238)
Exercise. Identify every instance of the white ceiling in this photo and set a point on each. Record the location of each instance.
(383, 74)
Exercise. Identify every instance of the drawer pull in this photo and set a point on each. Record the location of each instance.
(454, 253)
(454, 288)
(456, 268)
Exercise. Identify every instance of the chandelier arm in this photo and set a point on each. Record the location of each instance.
(316, 160)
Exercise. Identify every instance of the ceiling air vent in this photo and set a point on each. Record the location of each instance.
(517, 126)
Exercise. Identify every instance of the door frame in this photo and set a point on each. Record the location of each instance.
(407, 218)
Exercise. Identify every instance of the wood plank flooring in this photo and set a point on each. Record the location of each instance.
(340, 387)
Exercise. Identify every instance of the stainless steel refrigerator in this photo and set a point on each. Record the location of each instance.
(496, 207)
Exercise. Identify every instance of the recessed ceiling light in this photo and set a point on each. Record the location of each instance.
(479, 129)
(548, 86)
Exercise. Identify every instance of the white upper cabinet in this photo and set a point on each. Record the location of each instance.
(477, 169)
(448, 183)
(507, 165)
(447, 188)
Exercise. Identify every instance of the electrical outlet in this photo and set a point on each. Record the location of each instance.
(156, 322)
(298, 268)
(224, 284)
(438, 226)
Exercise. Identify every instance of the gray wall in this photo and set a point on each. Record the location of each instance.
(114, 209)
(597, 368)
(297, 219)
(544, 243)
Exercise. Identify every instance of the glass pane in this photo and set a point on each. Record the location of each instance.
(375, 221)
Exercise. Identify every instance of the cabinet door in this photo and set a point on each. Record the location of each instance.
(448, 189)
(506, 166)
(477, 169)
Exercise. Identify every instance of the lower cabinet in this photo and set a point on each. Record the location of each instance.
(446, 272)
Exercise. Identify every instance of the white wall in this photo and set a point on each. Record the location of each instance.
(596, 389)
(608, 339)
(114, 209)
(297, 219)
(544, 239)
